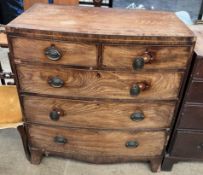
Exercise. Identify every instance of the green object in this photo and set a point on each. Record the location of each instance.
(60, 140)
(54, 115)
(138, 63)
(132, 144)
(135, 90)
(137, 116)
(56, 82)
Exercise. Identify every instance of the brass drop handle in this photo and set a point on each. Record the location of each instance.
(55, 82)
(138, 87)
(56, 113)
(60, 140)
(132, 144)
(137, 116)
(139, 62)
(52, 53)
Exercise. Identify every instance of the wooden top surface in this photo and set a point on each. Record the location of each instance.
(198, 31)
(44, 18)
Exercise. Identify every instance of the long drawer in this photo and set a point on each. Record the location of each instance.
(198, 70)
(154, 57)
(195, 92)
(55, 52)
(91, 114)
(191, 117)
(188, 144)
(91, 142)
(99, 84)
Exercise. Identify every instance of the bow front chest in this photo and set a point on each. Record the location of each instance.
(98, 85)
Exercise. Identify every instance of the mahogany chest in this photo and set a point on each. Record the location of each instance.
(98, 85)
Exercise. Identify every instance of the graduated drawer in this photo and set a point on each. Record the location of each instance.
(91, 114)
(198, 70)
(94, 144)
(188, 144)
(192, 117)
(99, 84)
(154, 57)
(195, 92)
(54, 52)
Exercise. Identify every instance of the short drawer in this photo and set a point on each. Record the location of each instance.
(54, 52)
(99, 84)
(198, 72)
(188, 145)
(147, 57)
(192, 117)
(91, 114)
(195, 92)
(96, 143)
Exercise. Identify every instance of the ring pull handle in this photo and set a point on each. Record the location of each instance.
(139, 62)
(55, 82)
(137, 88)
(132, 144)
(56, 113)
(52, 53)
(60, 140)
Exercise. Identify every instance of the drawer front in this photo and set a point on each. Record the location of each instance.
(106, 115)
(97, 142)
(188, 145)
(195, 92)
(49, 52)
(191, 117)
(155, 57)
(199, 69)
(99, 84)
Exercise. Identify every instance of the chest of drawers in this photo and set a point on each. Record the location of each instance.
(186, 143)
(98, 85)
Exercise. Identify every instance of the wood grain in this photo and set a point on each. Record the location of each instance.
(100, 84)
(96, 143)
(121, 23)
(66, 2)
(164, 57)
(29, 3)
(72, 53)
(92, 114)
